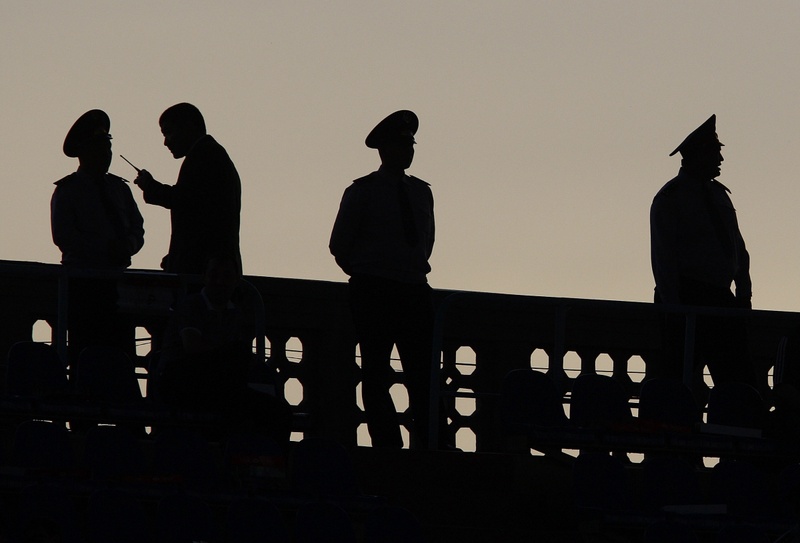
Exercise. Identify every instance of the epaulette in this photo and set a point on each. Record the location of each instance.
(64, 179)
(113, 177)
(420, 180)
(368, 177)
(721, 185)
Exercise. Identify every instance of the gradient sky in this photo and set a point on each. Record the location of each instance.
(545, 126)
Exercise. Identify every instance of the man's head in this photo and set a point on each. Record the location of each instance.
(89, 140)
(393, 137)
(701, 150)
(182, 125)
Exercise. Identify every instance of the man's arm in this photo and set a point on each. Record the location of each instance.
(664, 250)
(155, 192)
(432, 234)
(345, 228)
(744, 285)
(62, 225)
(135, 234)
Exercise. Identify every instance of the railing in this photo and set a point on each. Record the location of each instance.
(566, 337)
(310, 341)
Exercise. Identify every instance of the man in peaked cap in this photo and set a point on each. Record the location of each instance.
(382, 238)
(95, 220)
(697, 252)
(97, 225)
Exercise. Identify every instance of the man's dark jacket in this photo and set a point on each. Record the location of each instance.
(204, 205)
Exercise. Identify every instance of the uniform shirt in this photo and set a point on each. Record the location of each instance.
(377, 234)
(694, 234)
(95, 221)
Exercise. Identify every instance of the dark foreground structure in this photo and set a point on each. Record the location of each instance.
(563, 436)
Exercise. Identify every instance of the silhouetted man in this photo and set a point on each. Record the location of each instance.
(97, 225)
(382, 238)
(697, 251)
(206, 200)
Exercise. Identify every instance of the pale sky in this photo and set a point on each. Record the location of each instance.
(545, 127)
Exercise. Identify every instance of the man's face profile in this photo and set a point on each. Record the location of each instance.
(398, 154)
(96, 152)
(708, 160)
(176, 139)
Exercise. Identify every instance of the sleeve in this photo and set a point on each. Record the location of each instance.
(208, 186)
(345, 227)
(432, 235)
(60, 225)
(157, 193)
(204, 176)
(135, 234)
(179, 194)
(65, 234)
(744, 285)
(664, 256)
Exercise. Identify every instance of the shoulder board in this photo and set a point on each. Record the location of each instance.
(417, 179)
(671, 185)
(721, 185)
(366, 178)
(112, 177)
(66, 179)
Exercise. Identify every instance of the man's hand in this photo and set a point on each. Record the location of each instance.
(144, 180)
